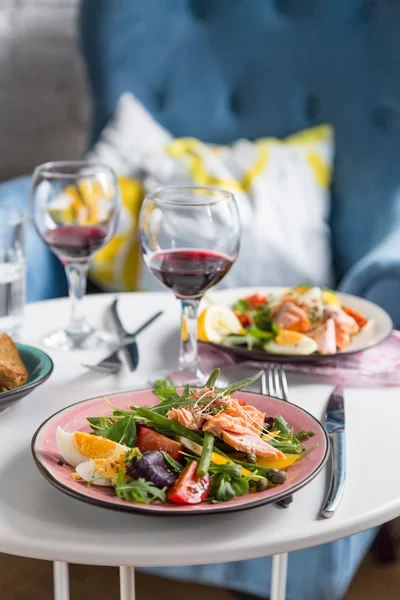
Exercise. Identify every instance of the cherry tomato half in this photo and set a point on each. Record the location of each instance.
(256, 301)
(188, 488)
(148, 439)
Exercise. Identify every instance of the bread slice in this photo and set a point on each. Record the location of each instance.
(12, 370)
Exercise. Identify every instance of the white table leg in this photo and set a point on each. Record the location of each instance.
(61, 580)
(279, 573)
(127, 583)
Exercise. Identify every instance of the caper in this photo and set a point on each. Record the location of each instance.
(276, 477)
(262, 485)
(252, 458)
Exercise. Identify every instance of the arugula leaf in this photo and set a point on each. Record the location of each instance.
(169, 397)
(123, 431)
(164, 389)
(282, 426)
(262, 318)
(241, 306)
(138, 490)
(174, 464)
(100, 425)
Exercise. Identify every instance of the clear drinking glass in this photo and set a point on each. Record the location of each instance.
(12, 269)
(75, 207)
(189, 239)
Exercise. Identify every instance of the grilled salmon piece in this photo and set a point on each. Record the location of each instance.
(249, 443)
(237, 419)
(290, 316)
(186, 416)
(346, 322)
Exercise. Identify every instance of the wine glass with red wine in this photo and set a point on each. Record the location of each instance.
(75, 207)
(189, 238)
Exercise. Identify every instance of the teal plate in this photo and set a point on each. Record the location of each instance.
(39, 366)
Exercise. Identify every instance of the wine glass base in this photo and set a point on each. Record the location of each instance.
(90, 340)
(181, 378)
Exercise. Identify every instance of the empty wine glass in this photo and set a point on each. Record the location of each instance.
(189, 239)
(75, 207)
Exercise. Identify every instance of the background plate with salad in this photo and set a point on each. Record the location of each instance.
(291, 324)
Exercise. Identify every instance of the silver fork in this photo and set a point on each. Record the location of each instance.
(274, 383)
(111, 364)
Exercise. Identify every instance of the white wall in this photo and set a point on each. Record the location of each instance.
(43, 103)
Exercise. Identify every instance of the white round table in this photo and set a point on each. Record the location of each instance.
(38, 521)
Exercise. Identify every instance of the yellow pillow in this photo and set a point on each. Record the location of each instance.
(116, 266)
(251, 170)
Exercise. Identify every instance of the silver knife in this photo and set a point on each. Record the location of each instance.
(130, 350)
(335, 426)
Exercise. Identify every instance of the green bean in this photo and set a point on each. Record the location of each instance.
(239, 385)
(285, 447)
(205, 459)
(212, 379)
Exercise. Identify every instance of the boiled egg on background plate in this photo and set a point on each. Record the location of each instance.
(291, 342)
(79, 447)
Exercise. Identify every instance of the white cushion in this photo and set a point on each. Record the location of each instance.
(281, 186)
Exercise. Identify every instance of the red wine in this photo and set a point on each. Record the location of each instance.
(189, 273)
(75, 243)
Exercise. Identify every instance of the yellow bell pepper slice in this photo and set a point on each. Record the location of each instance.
(217, 459)
(277, 463)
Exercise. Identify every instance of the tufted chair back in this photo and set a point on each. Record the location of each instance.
(224, 69)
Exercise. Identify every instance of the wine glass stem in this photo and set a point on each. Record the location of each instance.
(188, 356)
(77, 278)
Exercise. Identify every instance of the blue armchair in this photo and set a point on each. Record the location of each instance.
(224, 69)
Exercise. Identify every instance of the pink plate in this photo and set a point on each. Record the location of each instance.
(73, 418)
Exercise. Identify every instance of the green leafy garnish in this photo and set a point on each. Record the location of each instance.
(239, 385)
(241, 340)
(174, 464)
(281, 425)
(303, 435)
(169, 397)
(139, 490)
(227, 482)
(123, 431)
(100, 425)
(211, 381)
(241, 306)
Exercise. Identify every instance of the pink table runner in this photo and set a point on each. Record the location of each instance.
(379, 366)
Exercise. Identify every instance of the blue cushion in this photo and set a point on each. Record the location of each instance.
(45, 274)
(221, 70)
(322, 573)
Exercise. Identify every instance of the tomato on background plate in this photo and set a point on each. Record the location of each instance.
(256, 301)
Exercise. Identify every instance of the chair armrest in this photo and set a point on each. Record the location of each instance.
(45, 274)
(377, 276)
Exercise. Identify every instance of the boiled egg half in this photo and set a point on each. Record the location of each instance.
(291, 342)
(102, 471)
(78, 447)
